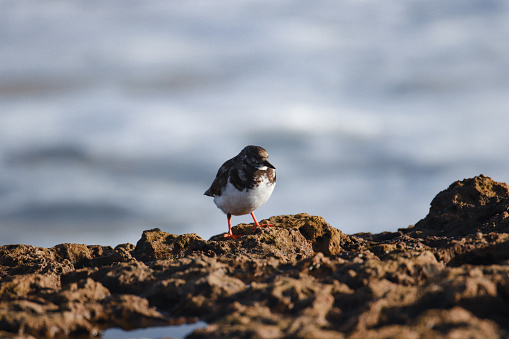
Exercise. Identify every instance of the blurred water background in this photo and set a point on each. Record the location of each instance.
(116, 115)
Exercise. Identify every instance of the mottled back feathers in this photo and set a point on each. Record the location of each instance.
(244, 171)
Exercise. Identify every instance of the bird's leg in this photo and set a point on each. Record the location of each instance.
(257, 224)
(230, 234)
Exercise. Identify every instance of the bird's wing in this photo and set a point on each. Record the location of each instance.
(221, 179)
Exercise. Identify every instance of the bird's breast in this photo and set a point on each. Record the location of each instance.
(243, 201)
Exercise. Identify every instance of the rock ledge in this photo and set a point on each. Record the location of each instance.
(447, 276)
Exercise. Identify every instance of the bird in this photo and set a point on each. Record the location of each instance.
(242, 184)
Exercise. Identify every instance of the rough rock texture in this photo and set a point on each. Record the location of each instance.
(447, 276)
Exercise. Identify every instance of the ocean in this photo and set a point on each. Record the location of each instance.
(115, 116)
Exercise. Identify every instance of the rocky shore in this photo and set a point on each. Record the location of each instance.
(447, 276)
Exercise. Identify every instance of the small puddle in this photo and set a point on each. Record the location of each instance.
(178, 331)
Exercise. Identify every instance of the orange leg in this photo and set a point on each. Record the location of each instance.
(257, 224)
(230, 234)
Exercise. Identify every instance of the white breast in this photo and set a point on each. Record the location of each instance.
(238, 202)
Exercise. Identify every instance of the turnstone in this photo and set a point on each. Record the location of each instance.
(243, 183)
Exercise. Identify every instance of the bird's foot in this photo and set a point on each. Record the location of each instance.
(264, 225)
(232, 236)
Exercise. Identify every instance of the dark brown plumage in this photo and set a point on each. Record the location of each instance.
(243, 171)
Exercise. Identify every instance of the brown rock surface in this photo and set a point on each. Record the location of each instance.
(447, 276)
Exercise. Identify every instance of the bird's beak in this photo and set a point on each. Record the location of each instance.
(268, 164)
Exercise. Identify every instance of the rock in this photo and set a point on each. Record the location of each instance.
(473, 205)
(321, 236)
(283, 243)
(447, 276)
(155, 244)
